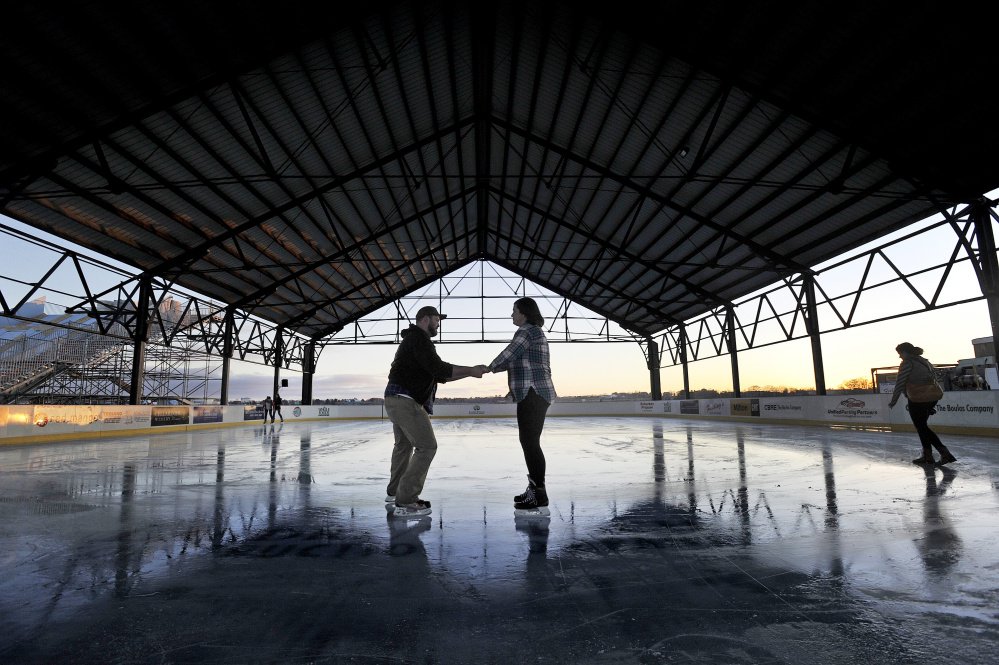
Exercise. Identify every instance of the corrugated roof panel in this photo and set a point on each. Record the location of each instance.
(344, 204)
(659, 131)
(343, 115)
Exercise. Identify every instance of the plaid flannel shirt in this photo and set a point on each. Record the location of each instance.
(527, 363)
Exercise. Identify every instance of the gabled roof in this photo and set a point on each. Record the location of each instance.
(310, 166)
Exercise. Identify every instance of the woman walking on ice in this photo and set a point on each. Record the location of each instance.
(917, 379)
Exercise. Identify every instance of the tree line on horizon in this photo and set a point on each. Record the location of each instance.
(859, 384)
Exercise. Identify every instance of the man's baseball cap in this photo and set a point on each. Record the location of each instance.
(429, 310)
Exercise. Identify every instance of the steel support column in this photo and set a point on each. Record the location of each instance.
(656, 381)
(308, 369)
(812, 327)
(278, 355)
(988, 276)
(732, 350)
(227, 345)
(683, 361)
(138, 375)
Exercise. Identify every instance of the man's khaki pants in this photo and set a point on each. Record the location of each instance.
(415, 447)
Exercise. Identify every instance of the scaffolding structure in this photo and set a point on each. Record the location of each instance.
(181, 373)
(44, 364)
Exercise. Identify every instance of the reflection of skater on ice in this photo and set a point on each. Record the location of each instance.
(940, 546)
(404, 535)
(536, 526)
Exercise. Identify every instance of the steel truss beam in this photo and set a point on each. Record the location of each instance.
(174, 317)
(494, 291)
(781, 314)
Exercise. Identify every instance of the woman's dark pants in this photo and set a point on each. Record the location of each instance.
(920, 413)
(531, 420)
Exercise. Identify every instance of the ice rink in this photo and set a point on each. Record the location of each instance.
(669, 541)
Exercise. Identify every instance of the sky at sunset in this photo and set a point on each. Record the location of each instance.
(602, 368)
(598, 368)
(945, 334)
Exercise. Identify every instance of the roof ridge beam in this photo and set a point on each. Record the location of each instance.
(483, 36)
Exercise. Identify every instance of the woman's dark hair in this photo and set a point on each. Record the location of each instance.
(905, 347)
(529, 309)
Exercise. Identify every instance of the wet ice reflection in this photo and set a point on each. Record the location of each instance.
(655, 525)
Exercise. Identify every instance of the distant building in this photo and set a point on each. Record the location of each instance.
(984, 346)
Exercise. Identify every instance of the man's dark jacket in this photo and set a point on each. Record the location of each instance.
(417, 368)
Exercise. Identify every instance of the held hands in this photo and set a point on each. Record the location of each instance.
(477, 371)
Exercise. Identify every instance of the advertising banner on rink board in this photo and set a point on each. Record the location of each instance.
(55, 419)
(848, 408)
(207, 414)
(452, 410)
(748, 407)
(19, 420)
(125, 417)
(323, 411)
(678, 407)
(785, 407)
(253, 412)
(864, 408)
(312, 412)
(959, 408)
(714, 407)
(689, 407)
(170, 415)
